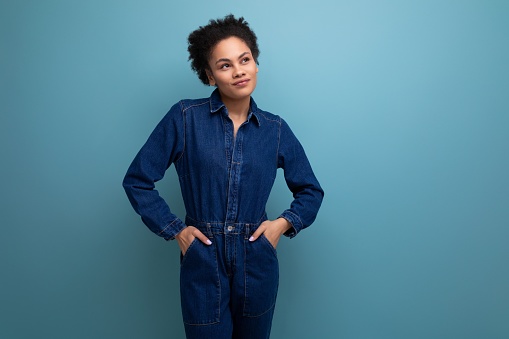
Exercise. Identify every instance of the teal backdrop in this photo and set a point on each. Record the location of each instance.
(402, 107)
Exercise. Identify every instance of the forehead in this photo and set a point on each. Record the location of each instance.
(229, 48)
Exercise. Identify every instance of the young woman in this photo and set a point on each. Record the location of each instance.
(226, 152)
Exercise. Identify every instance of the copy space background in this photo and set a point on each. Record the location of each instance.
(403, 109)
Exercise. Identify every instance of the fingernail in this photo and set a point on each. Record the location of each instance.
(209, 242)
(251, 239)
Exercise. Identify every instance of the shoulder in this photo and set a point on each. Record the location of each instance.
(275, 120)
(186, 104)
(182, 107)
(267, 117)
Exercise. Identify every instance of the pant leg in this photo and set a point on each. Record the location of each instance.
(254, 288)
(253, 327)
(219, 330)
(204, 291)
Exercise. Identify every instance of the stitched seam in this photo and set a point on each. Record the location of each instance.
(270, 119)
(278, 143)
(296, 216)
(205, 324)
(245, 276)
(185, 255)
(259, 315)
(167, 226)
(218, 283)
(192, 105)
(184, 123)
(267, 242)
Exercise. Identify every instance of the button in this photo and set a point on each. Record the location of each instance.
(230, 228)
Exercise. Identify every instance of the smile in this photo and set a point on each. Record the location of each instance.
(241, 83)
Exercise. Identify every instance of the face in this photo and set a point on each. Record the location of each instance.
(232, 69)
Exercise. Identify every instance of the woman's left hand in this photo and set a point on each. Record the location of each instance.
(272, 229)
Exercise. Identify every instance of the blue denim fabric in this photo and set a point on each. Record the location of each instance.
(228, 289)
(223, 179)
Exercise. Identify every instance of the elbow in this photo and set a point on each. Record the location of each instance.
(125, 182)
(128, 183)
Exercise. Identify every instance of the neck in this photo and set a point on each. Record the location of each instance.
(237, 109)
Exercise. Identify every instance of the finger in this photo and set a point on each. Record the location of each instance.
(198, 234)
(259, 231)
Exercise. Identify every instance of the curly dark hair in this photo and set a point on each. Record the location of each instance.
(202, 40)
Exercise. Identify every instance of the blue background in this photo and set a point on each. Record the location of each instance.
(403, 109)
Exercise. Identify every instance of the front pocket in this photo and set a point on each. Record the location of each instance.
(184, 256)
(264, 238)
(261, 277)
(200, 289)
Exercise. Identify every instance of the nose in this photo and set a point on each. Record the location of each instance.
(238, 72)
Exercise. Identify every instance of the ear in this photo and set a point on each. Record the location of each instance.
(256, 69)
(212, 81)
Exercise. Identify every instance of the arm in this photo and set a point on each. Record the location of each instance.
(307, 193)
(301, 181)
(164, 146)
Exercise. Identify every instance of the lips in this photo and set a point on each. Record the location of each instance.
(241, 83)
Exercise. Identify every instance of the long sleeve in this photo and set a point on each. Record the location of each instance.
(301, 181)
(164, 146)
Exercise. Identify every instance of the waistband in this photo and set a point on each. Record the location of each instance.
(218, 227)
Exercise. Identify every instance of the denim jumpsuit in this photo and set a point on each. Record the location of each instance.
(228, 289)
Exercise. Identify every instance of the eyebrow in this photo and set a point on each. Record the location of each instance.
(228, 60)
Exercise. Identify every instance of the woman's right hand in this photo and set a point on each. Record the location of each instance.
(187, 235)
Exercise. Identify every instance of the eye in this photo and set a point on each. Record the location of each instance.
(224, 66)
(245, 60)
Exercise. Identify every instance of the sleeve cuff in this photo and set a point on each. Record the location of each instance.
(172, 229)
(294, 220)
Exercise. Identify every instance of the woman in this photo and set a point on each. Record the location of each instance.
(226, 152)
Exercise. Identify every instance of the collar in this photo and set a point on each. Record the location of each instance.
(216, 104)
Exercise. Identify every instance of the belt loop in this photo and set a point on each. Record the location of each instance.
(209, 231)
(246, 233)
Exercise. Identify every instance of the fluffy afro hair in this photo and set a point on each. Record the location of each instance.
(202, 41)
